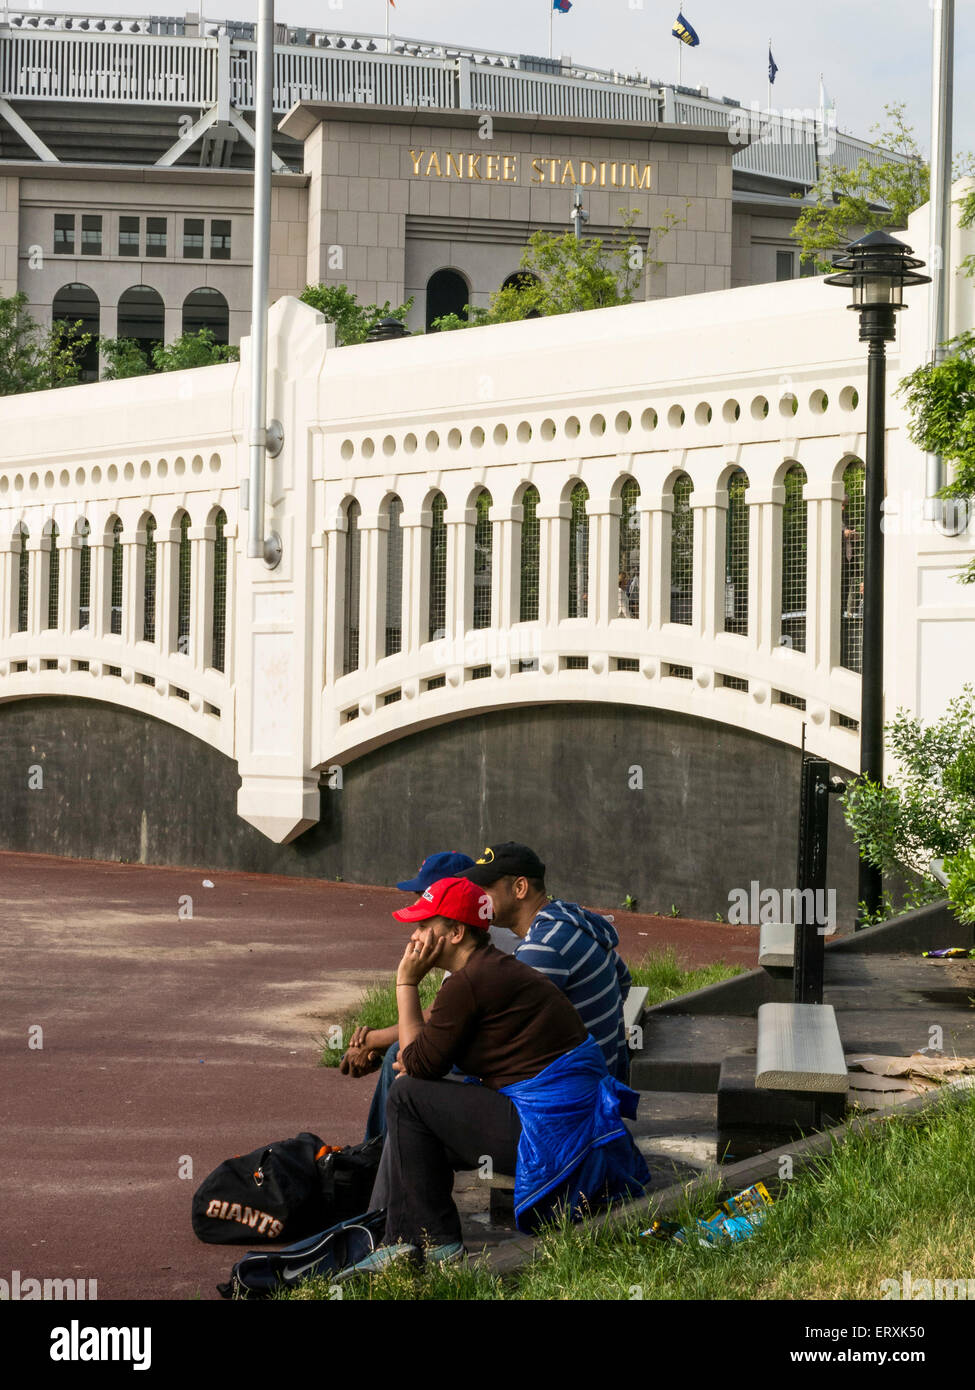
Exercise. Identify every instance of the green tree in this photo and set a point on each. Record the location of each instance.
(563, 274)
(854, 202)
(200, 349)
(940, 399)
(352, 320)
(927, 809)
(33, 358)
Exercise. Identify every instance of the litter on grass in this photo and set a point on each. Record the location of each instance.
(735, 1220)
(950, 953)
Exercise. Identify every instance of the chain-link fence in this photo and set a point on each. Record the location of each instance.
(682, 552)
(483, 561)
(736, 555)
(53, 578)
(851, 568)
(185, 587)
(23, 582)
(219, 653)
(578, 605)
(84, 576)
(438, 569)
(628, 605)
(353, 558)
(149, 583)
(116, 615)
(793, 630)
(394, 578)
(530, 557)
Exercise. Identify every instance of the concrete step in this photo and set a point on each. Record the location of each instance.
(684, 1052)
(799, 1049)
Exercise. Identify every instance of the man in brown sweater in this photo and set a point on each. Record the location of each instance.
(495, 1018)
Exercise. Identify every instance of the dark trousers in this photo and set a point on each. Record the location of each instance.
(432, 1129)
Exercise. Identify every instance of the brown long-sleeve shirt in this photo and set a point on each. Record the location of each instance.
(496, 1018)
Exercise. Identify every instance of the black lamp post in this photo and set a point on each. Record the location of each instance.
(877, 268)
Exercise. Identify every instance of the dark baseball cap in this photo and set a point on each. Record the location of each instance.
(509, 858)
(447, 864)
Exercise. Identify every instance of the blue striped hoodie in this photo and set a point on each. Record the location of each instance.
(576, 949)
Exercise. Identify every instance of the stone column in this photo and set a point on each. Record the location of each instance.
(554, 560)
(460, 522)
(201, 540)
(38, 546)
(604, 518)
(416, 578)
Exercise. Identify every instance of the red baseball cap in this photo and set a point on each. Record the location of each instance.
(456, 898)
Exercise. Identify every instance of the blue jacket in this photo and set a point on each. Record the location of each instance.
(574, 1147)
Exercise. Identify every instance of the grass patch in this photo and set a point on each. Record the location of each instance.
(376, 1009)
(665, 979)
(896, 1197)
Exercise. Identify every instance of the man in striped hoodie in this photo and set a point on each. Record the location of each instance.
(574, 947)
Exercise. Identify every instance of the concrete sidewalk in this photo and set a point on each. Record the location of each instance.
(169, 1037)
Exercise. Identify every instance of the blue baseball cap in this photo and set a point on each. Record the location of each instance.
(447, 864)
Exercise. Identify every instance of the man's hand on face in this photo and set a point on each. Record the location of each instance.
(418, 960)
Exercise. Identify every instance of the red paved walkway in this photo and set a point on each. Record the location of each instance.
(167, 1036)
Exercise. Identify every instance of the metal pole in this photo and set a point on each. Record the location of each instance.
(259, 281)
(807, 974)
(942, 107)
(870, 880)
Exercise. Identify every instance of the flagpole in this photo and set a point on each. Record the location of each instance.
(551, 12)
(387, 26)
(768, 111)
(680, 61)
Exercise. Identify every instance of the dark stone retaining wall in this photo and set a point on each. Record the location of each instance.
(718, 807)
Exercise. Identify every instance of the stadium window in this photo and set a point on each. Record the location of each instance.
(129, 236)
(91, 234)
(64, 233)
(155, 236)
(219, 240)
(193, 238)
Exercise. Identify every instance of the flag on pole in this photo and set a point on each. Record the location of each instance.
(685, 32)
(563, 6)
(773, 66)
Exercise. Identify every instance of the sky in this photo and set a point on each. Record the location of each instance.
(871, 54)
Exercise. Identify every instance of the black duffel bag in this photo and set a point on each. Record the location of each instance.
(285, 1191)
(330, 1253)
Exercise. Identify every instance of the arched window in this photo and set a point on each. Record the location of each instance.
(736, 555)
(149, 583)
(530, 556)
(53, 579)
(483, 561)
(73, 304)
(184, 595)
(794, 560)
(206, 308)
(394, 578)
(84, 576)
(682, 553)
(23, 581)
(578, 605)
(629, 551)
(438, 569)
(851, 568)
(519, 280)
(142, 316)
(116, 624)
(350, 659)
(219, 642)
(447, 293)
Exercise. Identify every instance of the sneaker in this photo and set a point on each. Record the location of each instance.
(381, 1258)
(445, 1254)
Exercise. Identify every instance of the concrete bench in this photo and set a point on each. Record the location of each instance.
(634, 1005)
(777, 945)
(799, 1049)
